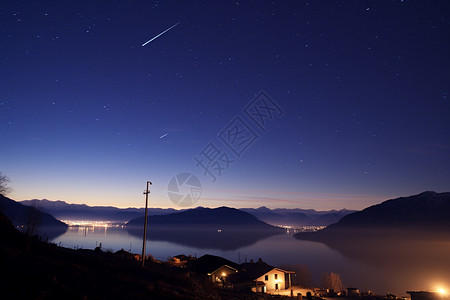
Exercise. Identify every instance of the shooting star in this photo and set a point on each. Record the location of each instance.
(157, 36)
(164, 135)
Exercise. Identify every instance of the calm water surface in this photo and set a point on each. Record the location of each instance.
(412, 266)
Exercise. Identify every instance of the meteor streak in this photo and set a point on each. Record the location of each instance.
(157, 36)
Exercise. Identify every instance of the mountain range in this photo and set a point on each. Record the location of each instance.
(425, 214)
(297, 216)
(279, 216)
(65, 211)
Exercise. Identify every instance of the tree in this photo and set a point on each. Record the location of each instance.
(332, 281)
(4, 181)
(34, 219)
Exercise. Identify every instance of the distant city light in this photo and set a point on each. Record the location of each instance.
(88, 223)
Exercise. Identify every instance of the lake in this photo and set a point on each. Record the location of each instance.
(384, 268)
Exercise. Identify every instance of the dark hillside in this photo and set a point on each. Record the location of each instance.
(26, 217)
(51, 272)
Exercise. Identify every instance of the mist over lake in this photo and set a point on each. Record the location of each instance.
(386, 267)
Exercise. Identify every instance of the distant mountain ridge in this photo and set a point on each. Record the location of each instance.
(297, 216)
(65, 211)
(425, 212)
(279, 216)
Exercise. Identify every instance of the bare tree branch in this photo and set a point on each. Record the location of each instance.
(4, 181)
(332, 281)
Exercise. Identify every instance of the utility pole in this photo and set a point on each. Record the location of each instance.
(144, 241)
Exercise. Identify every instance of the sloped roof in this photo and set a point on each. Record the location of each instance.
(258, 269)
(255, 270)
(223, 266)
(210, 263)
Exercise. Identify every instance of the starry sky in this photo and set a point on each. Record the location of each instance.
(296, 104)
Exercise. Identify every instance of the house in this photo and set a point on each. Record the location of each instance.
(218, 269)
(267, 278)
(259, 276)
(274, 280)
(221, 274)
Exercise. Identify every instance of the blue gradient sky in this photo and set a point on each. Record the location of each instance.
(363, 85)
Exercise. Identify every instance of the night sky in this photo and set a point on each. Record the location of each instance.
(308, 104)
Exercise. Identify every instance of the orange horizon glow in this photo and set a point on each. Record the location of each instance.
(244, 199)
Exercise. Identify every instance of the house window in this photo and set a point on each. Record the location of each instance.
(276, 276)
(266, 277)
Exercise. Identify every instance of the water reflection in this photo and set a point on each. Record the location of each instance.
(198, 237)
(48, 232)
(383, 266)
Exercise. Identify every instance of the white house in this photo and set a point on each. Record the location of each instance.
(259, 276)
(267, 278)
(273, 280)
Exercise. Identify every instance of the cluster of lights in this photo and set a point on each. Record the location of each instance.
(301, 228)
(85, 223)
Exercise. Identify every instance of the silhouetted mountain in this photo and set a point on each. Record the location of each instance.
(422, 211)
(66, 211)
(31, 218)
(220, 228)
(425, 212)
(216, 218)
(297, 217)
